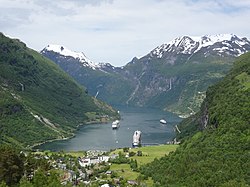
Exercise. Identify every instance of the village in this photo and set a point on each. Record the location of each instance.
(119, 167)
(93, 166)
(88, 168)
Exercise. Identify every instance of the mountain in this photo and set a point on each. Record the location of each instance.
(38, 101)
(102, 80)
(173, 76)
(211, 45)
(216, 154)
(80, 57)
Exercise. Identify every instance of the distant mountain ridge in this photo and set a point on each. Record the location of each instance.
(79, 56)
(68, 53)
(173, 76)
(226, 43)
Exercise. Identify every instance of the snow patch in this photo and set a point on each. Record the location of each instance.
(193, 44)
(68, 53)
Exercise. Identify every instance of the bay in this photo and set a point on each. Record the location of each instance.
(103, 137)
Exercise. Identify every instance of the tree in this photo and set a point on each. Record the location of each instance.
(133, 164)
(11, 165)
(125, 149)
(53, 180)
(30, 166)
(40, 178)
(25, 183)
(131, 154)
(3, 184)
(139, 153)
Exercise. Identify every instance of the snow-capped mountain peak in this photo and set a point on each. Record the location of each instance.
(229, 43)
(63, 51)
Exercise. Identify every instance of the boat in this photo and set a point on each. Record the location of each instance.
(136, 139)
(163, 121)
(115, 124)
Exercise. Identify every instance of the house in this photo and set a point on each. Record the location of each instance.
(105, 185)
(108, 172)
(84, 162)
(103, 158)
(93, 160)
(132, 182)
(114, 156)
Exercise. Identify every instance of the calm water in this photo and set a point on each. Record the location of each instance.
(102, 137)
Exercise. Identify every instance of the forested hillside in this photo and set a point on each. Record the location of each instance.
(173, 76)
(216, 151)
(38, 101)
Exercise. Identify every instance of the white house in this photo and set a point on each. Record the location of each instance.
(95, 160)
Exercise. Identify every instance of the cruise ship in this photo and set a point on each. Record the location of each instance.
(136, 139)
(115, 124)
(163, 121)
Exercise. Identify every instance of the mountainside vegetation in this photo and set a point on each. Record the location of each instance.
(215, 142)
(173, 76)
(39, 101)
(179, 87)
(214, 149)
(107, 85)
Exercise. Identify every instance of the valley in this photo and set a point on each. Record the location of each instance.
(147, 120)
(40, 102)
(114, 93)
(172, 77)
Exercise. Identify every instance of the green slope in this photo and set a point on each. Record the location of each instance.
(189, 82)
(145, 82)
(111, 86)
(38, 100)
(218, 155)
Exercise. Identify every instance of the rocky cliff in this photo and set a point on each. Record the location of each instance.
(173, 76)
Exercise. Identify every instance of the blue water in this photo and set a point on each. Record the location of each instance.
(102, 137)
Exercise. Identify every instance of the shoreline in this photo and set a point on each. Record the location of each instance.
(63, 138)
(32, 147)
(48, 141)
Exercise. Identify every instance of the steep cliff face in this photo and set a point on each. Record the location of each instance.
(173, 76)
(148, 86)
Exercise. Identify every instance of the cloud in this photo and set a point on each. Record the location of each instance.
(116, 31)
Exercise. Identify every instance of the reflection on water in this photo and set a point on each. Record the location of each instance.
(102, 137)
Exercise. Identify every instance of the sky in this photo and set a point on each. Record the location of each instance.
(116, 31)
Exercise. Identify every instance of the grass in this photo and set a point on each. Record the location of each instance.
(148, 155)
(75, 154)
(125, 171)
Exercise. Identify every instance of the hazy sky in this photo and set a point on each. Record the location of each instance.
(115, 31)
